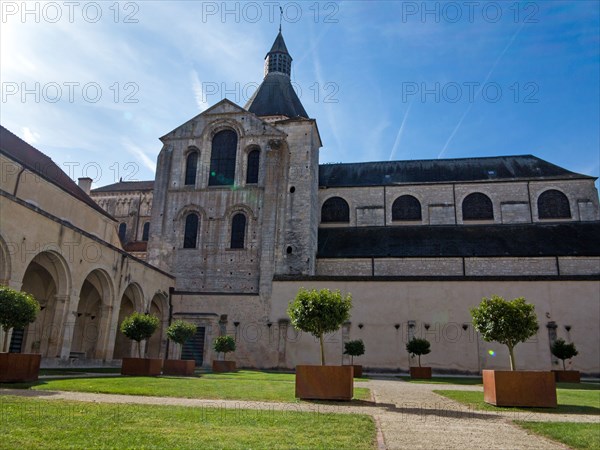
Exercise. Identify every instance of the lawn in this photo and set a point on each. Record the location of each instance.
(34, 423)
(242, 385)
(572, 399)
(575, 435)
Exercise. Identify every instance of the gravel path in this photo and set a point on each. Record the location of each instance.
(408, 415)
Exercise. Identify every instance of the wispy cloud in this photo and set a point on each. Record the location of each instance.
(30, 136)
(198, 92)
(399, 134)
(489, 74)
(139, 154)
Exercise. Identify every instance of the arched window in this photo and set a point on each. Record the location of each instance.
(191, 167)
(190, 235)
(553, 204)
(238, 231)
(222, 159)
(334, 210)
(253, 164)
(146, 231)
(406, 207)
(477, 206)
(122, 231)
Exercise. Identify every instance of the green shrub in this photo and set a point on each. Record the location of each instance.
(563, 351)
(354, 348)
(506, 322)
(224, 344)
(180, 331)
(418, 347)
(139, 327)
(17, 310)
(319, 312)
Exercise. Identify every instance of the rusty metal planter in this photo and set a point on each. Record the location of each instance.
(567, 376)
(19, 367)
(179, 367)
(141, 367)
(420, 372)
(536, 389)
(223, 366)
(325, 382)
(358, 370)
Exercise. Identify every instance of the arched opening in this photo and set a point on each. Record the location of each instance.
(406, 208)
(95, 293)
(553, 204)
(253, 166)
(222, 159)
(47, 279)
(191, 168)
(122, 231)
(238, 231)
(146, 231)
(335, 210)
(4, 263)
(155, 347)
(123, 345)
(190, 233)
(477, 206)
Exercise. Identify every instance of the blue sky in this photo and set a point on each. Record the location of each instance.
(96, 84)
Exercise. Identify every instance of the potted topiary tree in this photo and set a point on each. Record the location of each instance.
(139, 327)
(417, 346)
(355, 348)
(563, 351)
(17, 310)
(317, 313)
(179, 332)
(224, 345)
(509, 323)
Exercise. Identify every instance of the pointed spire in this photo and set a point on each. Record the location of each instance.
(278, 59)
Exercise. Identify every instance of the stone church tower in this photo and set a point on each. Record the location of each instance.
(235, 196)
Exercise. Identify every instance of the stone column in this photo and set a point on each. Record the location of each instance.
(56, 323)
(281, 345)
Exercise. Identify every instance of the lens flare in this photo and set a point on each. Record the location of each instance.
(491, 353)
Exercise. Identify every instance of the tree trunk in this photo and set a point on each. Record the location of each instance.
(512, 358)
(419, 358)
(352, 359)
(564, 368)
(6, 347)
(322, 349)
(139, 349)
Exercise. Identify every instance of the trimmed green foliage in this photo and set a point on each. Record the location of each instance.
(241, 385)
(563, 351)
(224, 344)
(180, 331)
(139, 327)
(505, 321)
(417, 346)
(17, 310)
(319, 312)
(575, 435)
(57, 424)
(354, 348)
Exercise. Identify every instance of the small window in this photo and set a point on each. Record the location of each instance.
(190, 235)
(222, 159)
(191, 167)
(477, 206)
(122, 231)
(335, 210)
(238, 231)
(553, 204)
(406, 208)
(146, 231)
(253, 165)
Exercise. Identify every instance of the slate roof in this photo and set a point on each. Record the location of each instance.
(276, 96)
(279, 45)
(556, 239)
(126, 186)
(441, 170)
(42, 165)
